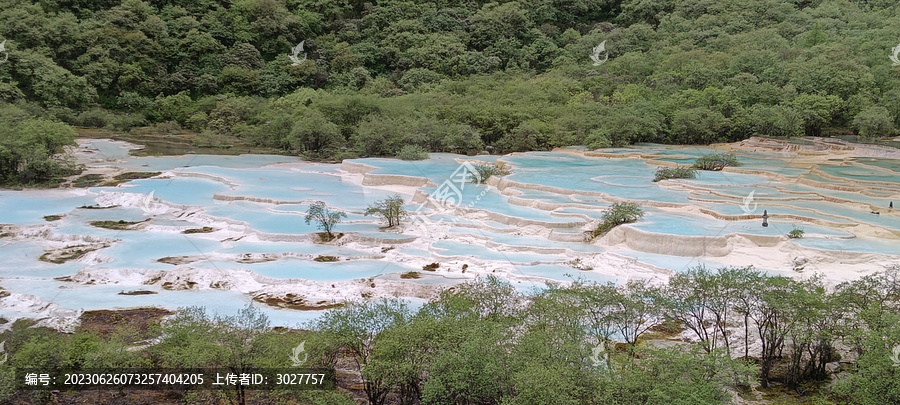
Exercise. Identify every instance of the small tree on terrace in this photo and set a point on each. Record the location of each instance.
(325, 218)
(618, 214)
(390, 209)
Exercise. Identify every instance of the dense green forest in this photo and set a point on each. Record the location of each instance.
(453, 76)
(484, 342)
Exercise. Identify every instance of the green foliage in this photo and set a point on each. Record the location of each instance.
(665, 173)
(672, 375)
(617, 214)
(716, 161)
(874, 122)
(511, 75)
(357, 329)
(31, 149)
(486, 170)
(795, 233)
(324, 217)
(390, 209)
(485, 342)
(412, 152)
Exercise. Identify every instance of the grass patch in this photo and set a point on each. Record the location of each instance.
(51, 218)
(666, 173)
(716, 161)
(326, 259)
(116, 225)
(88, 180)
(205, 229)
(411, 275)
(796, 233)
(136, 175)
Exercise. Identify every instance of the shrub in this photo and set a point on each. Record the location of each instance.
(391, 209)
(326, 259)
(486, 170)
(716, 161)
(412, 152)
(682, 172)
(325, 218)
(618, 214)
(796, 233)
(431, 267)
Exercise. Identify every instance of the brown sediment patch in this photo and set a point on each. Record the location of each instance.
(120, 225)
(250, 258)
(105, 322)
(295, 302)
(59, 256)
(179, 284)
(97, 207)
(205, 229)
(137, 292)
(176, 260)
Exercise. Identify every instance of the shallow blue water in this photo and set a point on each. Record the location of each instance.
(581, 181)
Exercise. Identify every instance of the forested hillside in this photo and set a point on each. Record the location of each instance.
(455, 76)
